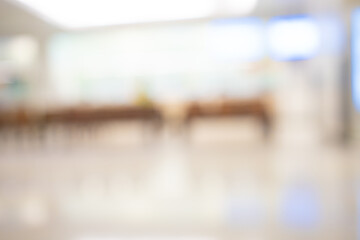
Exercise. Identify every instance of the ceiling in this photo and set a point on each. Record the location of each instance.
(17, 20)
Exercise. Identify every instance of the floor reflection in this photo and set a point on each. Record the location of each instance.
(259, 190)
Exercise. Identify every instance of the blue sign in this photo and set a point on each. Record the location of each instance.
(355, 55)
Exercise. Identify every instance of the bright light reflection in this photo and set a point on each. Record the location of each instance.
(84, 13)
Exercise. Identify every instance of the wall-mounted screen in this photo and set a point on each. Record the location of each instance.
(292, 38)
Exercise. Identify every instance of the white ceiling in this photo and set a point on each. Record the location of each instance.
(16, 19)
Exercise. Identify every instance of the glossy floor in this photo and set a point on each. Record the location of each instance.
(221, 180)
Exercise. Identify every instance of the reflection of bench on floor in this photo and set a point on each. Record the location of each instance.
(258, 108)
